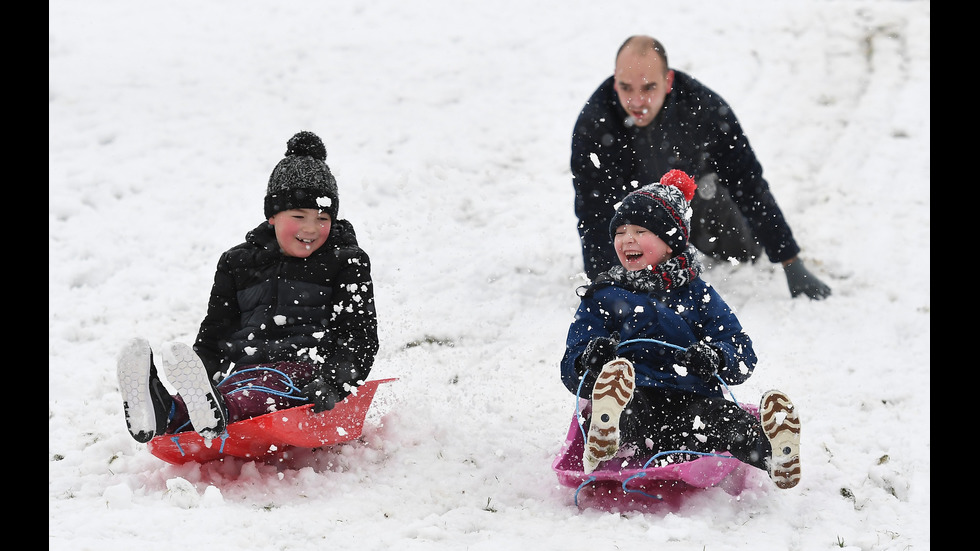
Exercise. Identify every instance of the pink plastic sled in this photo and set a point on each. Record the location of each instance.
(260, 436)
(626, 483)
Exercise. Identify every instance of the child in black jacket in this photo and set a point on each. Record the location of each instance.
(291, 319)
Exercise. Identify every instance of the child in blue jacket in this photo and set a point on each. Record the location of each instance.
(651, 343)
(291, 319)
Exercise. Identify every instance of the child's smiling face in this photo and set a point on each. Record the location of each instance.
(638, 247)
(300, 232)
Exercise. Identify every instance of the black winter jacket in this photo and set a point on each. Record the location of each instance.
(697, 132)
(268, 307)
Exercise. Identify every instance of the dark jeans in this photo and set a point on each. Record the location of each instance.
(658, 420)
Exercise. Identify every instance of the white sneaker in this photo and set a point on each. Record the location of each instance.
(187, 374)
(781, 424)
(612, 391)
(133, 367)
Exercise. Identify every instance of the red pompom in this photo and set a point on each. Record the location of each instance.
(680, 180)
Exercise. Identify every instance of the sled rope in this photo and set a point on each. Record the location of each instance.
(647, 466)
(175, 438)
(286, 379)
(581, 426)
(578, 391)
(583, 485)
(654, 341)
(676, 347)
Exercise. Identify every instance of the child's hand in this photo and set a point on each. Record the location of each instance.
(599, 352)
(324, 396)
(700, 359)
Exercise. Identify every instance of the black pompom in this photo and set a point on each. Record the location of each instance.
(308, 144)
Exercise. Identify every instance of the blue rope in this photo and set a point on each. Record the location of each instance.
(286, 379)
(583, 485)
(578, 412)
(646, 465)
(268, 390)
(578, 391)
(175, 438)
(655, 341)
(730, 393)
(671, 345)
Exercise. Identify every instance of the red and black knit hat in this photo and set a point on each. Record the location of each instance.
(302, 180)
(663, 208)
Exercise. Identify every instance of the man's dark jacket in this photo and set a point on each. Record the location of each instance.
(697, 132)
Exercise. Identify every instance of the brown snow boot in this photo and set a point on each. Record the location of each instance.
(781, 424)
(612, 391)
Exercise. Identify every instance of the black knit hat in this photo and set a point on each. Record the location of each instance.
(302, 180)
(663, 208)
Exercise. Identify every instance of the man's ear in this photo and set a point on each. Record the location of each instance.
(670, 80)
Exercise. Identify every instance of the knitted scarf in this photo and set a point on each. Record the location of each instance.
(670, 274)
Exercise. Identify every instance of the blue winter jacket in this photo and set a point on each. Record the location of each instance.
(681, 316)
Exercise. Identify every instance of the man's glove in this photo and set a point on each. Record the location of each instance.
(322, 394)
(802, 281)
(701, 359)
(599, 352)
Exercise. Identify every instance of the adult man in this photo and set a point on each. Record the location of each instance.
(647, 119)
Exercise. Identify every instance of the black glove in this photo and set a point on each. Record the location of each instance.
(323, 395)
(340, 370)
(599, 352)
(701, 359)
(801, 281)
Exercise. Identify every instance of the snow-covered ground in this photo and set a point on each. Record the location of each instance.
(447, 125)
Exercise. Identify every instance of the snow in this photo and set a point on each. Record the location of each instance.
(448, 126)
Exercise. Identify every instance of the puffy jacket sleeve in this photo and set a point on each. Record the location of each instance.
(740, 171)
(222, 319)
(354, 323)
(587, 325)
(719, 326)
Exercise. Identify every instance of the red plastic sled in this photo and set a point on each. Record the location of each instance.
(627, 483)
(260, 436)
